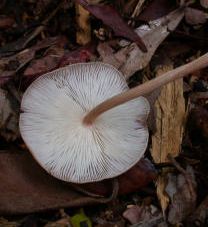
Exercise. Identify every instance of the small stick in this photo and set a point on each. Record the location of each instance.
(146, 88)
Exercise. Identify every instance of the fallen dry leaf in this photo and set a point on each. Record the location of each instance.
(204, 3)
(46, 64)
(153, 35)
(17, 61)
(26, 188)
(183, 203)
(112, 18)
(195, 16)
(140, 213)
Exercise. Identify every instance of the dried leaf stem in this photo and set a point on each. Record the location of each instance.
(146, 88)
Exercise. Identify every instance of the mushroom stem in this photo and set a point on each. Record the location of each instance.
(146, 88)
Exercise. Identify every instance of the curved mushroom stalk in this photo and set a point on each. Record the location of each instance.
(83, 124)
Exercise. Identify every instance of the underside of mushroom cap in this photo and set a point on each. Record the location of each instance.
(51, 123)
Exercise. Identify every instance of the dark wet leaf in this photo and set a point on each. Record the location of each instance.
(6, 21)
(25, 187)
(113, 19)
(157, 9)
(195, 16)
(183, 203)
(17, 61)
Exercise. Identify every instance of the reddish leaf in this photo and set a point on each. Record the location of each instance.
(81, 54)
(113, 19)
(137, 177)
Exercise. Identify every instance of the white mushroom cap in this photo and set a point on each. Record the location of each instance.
(51, 124)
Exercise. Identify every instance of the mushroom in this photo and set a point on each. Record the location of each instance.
(82, 123)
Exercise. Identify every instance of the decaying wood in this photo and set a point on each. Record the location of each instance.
(83, 35)
(170, 108)
(161, 184)
(169, 121)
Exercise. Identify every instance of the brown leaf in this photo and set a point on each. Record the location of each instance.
(137, 213)
(25, 187)
(183, 203)
(113, 19)
(204, 3)
(195, 16)
(19, 60)
(153, 35)
(45, 64)
(6, 21)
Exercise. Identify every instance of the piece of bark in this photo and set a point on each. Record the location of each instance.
(170, 120)
(9, 116)
(170, 108)
(161, 184)
(83, 34)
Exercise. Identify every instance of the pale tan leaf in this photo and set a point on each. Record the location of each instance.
(153, 35)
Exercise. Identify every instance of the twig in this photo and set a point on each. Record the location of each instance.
(100, 198)
(137, 10)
